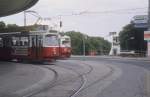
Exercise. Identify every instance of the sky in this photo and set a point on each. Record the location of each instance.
(96, 24)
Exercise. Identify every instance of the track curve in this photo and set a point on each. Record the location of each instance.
(40, 86)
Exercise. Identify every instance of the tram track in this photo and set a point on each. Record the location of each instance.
(59, 82)
(51, 84)
(83, 86)
(102, 78)
(82, 76)
(31, 91)
(55, 81)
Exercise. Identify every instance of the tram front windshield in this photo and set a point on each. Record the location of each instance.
(51, 40)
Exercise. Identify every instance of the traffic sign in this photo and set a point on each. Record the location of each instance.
(142, 25)
(140, 21)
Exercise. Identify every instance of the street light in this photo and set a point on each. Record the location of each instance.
(84, 48)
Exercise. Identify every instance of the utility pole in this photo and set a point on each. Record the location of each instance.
(84, 38)
(84, 46)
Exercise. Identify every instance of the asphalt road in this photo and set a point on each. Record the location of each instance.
(92, 77)
(99, 77)
(132, 81)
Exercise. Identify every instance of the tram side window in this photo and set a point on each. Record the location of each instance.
(20, 41)
(15, 41)
(1, 42)
(33, 42)
(24, 41)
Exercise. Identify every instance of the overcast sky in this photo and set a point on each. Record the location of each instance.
(92, 24)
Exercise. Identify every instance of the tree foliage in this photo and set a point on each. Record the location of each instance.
(97, 44)
(2, 25)
(132, 38)
(12, 26)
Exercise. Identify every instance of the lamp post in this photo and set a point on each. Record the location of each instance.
(84, 46)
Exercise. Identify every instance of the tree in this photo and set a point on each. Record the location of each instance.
(97, 44)
(2, 25)
(76, 41)
(12, 26)
(132, 38)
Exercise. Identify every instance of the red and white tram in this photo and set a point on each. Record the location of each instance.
(36, 46)
(65, 47)
(39, 45)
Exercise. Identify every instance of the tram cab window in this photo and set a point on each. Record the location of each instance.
(1, 42)
(51, 40)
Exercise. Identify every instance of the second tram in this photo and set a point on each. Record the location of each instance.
(65, 47)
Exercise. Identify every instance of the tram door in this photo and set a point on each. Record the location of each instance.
(36, 42)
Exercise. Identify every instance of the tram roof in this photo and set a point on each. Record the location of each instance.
(27, 30)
